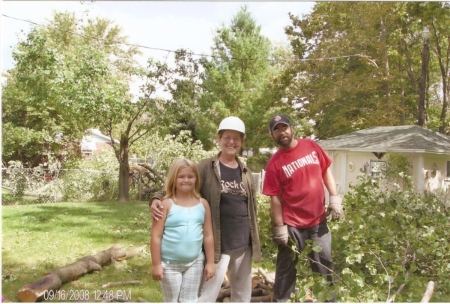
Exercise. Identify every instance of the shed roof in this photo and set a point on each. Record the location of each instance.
(390, 139)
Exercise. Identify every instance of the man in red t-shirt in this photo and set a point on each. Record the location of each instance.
(295, 178)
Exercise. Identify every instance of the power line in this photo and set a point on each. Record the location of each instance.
(201, 55)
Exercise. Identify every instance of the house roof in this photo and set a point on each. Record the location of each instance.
(99, 135)
(390, 139)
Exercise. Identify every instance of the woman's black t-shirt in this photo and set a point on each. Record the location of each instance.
(234, 224)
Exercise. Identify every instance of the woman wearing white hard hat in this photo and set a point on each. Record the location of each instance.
(227, 185)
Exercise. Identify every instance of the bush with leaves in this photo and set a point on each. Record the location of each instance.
(163, 150)
(20, 179)
(390, 244)
(258, 162)
(90, 180)
(268, 247)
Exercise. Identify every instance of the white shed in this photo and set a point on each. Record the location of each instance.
(363, 151)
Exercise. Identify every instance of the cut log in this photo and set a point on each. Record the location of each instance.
(224, 292)
(268, 298)
(265, 287)
(267, 277)
(428, 292)
(53, 280)
(255, 281)
(257, 292)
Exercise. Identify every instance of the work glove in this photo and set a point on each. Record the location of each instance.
(335, 207)
(280, 235)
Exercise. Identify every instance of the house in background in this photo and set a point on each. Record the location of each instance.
(364, 151)
(95, 141)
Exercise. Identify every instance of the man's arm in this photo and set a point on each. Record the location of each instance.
(276, 211)
(330, 182)
(279, 229)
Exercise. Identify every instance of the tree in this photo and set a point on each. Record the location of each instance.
(235, 78)
(61, 84)
(133, 120)
(356, 69)
(181, 111)
(436, 16)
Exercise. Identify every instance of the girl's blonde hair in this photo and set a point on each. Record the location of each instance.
(175, 168)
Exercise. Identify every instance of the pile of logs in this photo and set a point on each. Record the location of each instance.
(262, 288)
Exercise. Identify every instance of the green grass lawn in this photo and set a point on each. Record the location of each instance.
(41, 237)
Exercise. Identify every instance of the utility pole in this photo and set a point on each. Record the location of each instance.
(423, 76)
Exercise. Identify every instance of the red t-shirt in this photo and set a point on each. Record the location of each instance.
(297, 176)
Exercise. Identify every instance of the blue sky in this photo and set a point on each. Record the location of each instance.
(156, 24)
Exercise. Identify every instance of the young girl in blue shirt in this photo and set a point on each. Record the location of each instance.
(176, 241)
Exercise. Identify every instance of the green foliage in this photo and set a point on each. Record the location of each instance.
(390, 238)
(63, 83)
(90, 180)
(235, 85)
(399, 169)
(258, 162)
(163, 150)
(357, 70)
(18, 178)
(268, 247)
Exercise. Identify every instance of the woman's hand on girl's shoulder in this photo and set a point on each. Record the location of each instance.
(166, 204)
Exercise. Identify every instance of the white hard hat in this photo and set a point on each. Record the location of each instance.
(232, 123)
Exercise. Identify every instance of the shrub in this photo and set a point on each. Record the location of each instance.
(20, 179)
(90, 180)
(390, 238)
(257, 163)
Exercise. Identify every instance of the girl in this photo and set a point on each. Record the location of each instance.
(177, 239)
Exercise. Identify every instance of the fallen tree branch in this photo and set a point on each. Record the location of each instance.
(224, 293)
(399, 290)
(428, 292)
(135, 251)
(268, 278)
(53, 280)
(268, 298)
(111, 284)
(266, 287)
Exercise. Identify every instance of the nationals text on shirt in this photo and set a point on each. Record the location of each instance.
(299, 163)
